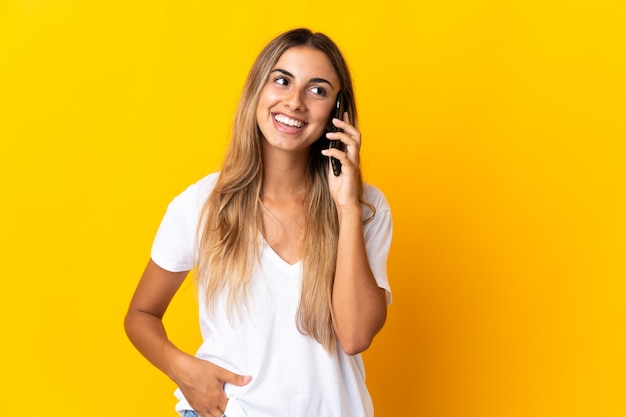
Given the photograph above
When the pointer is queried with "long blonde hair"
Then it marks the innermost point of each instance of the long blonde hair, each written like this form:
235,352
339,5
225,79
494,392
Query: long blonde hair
230,223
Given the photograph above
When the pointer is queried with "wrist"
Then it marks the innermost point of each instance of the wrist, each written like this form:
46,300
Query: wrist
176,362
353,211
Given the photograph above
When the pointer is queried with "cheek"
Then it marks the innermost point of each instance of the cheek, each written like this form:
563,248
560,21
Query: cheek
262,107
320,131
268,95
323,118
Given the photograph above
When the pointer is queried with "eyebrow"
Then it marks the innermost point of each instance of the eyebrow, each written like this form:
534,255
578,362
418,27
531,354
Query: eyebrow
312,80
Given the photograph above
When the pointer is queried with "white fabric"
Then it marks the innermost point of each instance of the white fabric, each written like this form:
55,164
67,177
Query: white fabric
292,374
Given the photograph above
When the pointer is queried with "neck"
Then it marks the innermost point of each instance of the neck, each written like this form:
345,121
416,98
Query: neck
284,176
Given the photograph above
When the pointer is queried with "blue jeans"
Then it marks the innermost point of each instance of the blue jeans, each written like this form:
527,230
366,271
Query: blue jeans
189,413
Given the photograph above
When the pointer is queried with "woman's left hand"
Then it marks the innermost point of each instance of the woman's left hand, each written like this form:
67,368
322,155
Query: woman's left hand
344,188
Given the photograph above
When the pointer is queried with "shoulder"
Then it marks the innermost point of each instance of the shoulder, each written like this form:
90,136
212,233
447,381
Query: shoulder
188,204
202,187
174,245
197,193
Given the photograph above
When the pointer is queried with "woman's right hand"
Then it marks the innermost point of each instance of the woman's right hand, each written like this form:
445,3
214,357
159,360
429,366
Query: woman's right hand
202,384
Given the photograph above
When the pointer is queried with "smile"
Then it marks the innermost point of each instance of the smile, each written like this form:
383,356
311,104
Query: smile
287,121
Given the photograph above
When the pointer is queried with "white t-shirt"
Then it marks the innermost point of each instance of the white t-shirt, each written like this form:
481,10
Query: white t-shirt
292,374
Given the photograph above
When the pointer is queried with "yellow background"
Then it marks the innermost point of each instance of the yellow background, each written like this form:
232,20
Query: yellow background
496,129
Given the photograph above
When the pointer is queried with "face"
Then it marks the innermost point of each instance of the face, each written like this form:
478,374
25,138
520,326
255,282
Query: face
297,98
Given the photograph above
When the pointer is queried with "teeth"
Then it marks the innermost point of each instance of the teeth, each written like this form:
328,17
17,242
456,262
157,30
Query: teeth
280,118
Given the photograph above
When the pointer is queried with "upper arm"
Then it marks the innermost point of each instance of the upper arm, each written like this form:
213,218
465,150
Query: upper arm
156,289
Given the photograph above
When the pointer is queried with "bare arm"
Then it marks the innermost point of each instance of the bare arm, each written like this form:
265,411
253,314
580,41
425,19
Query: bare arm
143,323
200,381
359,304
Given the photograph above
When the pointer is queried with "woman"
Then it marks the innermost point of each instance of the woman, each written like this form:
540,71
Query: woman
291,259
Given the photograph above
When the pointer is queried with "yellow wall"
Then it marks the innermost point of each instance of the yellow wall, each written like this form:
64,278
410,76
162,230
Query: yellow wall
496,129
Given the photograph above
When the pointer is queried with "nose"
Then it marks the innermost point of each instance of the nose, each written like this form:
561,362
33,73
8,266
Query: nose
294,100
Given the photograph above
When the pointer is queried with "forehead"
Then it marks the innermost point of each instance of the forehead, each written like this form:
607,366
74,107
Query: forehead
306,62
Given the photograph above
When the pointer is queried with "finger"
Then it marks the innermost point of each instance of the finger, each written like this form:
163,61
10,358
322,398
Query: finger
345,137
343,124
347,128
217,411
346,117
350,149
234,379
342,156
348,137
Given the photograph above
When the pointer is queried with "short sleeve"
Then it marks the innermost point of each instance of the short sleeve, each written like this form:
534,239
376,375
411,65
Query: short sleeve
378,232
174,246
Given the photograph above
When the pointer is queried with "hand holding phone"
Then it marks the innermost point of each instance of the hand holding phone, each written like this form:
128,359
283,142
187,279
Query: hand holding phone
337,113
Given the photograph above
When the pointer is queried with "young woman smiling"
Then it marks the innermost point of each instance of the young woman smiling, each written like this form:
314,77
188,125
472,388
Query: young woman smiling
291,259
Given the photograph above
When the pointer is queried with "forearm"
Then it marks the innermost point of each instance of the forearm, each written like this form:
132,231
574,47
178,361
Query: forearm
359,304
143,322
148,335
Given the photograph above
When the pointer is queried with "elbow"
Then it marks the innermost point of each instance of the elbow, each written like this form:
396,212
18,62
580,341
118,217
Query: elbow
358,340
132,323
354,346
128,324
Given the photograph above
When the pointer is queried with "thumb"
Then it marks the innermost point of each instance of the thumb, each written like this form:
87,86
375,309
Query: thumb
235,379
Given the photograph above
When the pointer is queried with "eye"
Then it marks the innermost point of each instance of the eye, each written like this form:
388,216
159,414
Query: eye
281,80
318,90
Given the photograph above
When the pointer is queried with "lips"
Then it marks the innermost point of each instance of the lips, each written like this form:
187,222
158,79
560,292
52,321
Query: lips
286,121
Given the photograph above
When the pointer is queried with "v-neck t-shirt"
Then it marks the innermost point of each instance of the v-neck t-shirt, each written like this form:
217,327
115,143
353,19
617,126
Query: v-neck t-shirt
292,374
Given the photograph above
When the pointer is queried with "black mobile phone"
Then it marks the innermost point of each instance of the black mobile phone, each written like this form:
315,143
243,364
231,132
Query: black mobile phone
338,114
